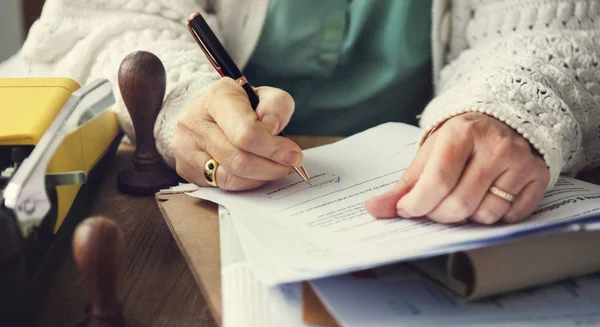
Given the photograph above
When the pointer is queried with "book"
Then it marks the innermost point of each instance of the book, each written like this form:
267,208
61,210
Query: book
534,261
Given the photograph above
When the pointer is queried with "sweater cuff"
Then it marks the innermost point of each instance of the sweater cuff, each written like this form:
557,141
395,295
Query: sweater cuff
175,104
446,106
177,100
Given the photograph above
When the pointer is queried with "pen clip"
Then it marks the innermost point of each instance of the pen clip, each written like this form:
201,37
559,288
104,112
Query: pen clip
204,48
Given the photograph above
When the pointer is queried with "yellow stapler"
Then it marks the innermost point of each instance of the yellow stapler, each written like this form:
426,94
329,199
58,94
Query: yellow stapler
54,135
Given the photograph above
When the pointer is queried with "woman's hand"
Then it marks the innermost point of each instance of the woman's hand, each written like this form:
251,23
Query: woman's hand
449,179
221,125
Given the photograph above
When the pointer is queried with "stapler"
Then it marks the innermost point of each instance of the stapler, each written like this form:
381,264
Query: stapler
54,137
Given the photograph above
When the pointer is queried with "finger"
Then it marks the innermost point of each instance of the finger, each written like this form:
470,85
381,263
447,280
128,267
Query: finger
191,161
274,109
526,202
238,162
440,174
472,187
492,208
191,172
236,118
384,205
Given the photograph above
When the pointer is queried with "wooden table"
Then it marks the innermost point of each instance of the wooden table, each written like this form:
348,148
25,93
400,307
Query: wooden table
156,286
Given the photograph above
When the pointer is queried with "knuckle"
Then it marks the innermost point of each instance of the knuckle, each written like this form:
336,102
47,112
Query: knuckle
199,140
503,148
458,131
545,177
176,144
485,216
447,218
238,162
484,171
520,212
458,208
543,172
465,127
526,165
182,172
204,101
227,182
513,217
443,183
522,144
244,138
183,123
284,101
225,83
407,179
413,211
275,152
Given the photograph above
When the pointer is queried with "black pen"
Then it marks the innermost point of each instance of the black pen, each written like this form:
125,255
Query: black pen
224,65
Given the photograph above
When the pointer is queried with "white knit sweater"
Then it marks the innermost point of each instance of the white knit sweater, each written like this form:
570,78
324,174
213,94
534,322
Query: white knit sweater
531,63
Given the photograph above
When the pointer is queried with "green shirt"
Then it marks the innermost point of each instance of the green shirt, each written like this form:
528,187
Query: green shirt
349,64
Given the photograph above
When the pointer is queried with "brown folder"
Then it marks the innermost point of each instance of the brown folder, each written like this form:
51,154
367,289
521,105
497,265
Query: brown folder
194,224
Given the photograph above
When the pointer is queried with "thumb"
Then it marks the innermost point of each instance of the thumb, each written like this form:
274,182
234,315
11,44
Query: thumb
274,109
384,205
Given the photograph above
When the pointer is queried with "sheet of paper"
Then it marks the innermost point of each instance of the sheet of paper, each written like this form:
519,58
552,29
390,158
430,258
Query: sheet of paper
398,300
247,301
322,229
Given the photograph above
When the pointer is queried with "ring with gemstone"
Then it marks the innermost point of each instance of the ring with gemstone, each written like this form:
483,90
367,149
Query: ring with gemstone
210,172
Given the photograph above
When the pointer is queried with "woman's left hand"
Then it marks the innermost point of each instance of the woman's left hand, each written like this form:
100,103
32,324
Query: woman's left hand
449,179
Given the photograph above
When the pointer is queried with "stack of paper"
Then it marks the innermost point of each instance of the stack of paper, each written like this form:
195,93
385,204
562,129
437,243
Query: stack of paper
246,301
291,231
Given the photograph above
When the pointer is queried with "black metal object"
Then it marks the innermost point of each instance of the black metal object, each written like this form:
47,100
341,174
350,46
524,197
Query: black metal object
28,265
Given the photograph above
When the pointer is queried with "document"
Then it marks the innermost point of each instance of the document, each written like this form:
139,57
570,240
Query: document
246,301
300,231
399,298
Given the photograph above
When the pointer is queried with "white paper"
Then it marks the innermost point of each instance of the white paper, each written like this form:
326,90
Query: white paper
319,230
405,299
246,301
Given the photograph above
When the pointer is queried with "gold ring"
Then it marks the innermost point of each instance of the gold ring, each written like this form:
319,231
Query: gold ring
210,172
502,194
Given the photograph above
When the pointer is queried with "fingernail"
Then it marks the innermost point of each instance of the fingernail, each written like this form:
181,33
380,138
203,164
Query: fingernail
403,213
292,158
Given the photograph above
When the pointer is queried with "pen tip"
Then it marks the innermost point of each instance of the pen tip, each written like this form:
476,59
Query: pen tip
303,173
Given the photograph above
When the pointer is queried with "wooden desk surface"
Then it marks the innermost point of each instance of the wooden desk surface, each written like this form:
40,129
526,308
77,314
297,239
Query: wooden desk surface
156,286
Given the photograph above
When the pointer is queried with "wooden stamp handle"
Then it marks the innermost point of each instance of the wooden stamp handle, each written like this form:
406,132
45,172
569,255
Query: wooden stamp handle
142,82
98,246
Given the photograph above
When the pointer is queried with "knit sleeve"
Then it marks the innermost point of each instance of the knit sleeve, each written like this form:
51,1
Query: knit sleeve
533,67
88,39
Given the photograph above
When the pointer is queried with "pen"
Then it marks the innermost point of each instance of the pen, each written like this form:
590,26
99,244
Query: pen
224,65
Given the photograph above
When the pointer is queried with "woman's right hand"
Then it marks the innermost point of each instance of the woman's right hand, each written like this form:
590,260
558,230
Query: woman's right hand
221,125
